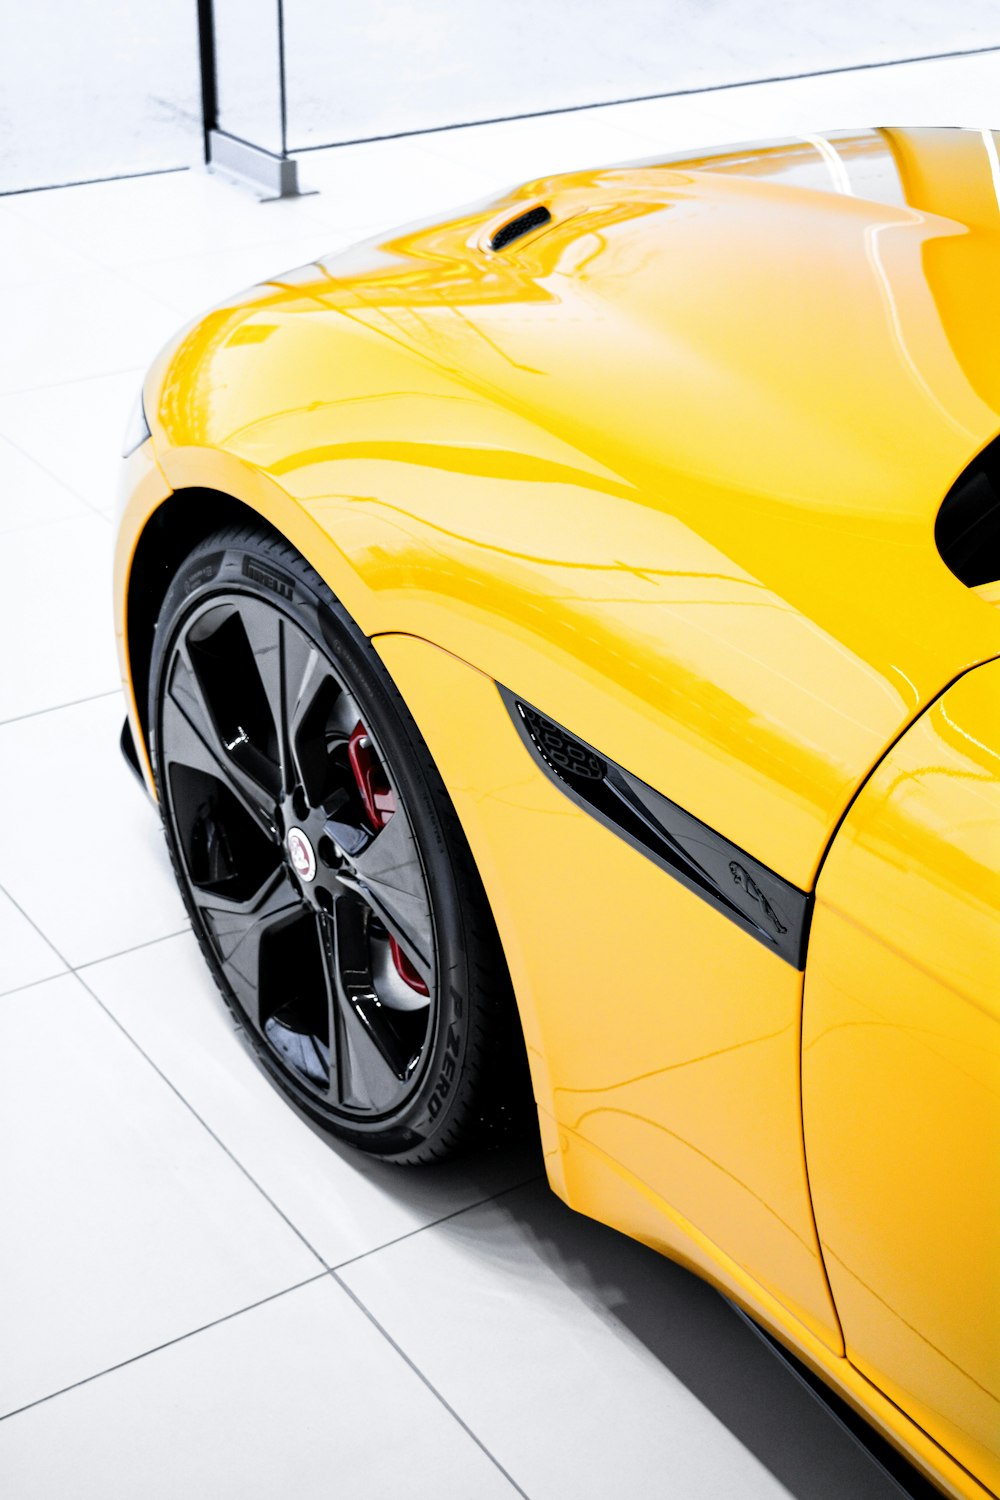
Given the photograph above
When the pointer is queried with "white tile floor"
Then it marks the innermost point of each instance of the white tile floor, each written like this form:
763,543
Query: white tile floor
198,1296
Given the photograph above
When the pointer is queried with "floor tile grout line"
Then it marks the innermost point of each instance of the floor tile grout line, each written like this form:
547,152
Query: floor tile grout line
166,937
33,984
202,1122
37,713
106,958
39,522
126,269
328,1270
19,448
693,92
332,1268
93,963
89,963
186,313
167,1344
58,187
55,385
31,922
56,479
88,254
455,1213
329,1273
425,1380
170,1085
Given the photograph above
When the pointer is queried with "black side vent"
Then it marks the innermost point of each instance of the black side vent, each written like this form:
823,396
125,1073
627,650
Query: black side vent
514,228
967,531
764,905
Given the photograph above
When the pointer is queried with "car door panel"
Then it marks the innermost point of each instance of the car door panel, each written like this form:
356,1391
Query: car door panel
901,1072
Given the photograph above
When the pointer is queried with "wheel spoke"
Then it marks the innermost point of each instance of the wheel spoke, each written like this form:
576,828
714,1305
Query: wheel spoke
302,677
388,876
190,738
338,1080
291,672
262,628
239,930
373,1056
298,855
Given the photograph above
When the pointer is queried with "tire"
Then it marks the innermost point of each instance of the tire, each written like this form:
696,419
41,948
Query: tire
322,864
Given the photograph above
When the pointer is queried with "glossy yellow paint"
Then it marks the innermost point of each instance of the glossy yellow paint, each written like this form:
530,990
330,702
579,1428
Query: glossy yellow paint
142,490
641,1006
663,1043
594,1185
669,469
637,466
901,1073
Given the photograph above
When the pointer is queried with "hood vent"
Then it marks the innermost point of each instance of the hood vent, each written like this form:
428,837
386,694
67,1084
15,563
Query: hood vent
515,228
967,531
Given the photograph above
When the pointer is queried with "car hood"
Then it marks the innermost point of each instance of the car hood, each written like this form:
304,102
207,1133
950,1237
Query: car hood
760,288
789,347
685,442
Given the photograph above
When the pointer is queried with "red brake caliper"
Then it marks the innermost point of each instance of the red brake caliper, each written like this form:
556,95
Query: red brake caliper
379,803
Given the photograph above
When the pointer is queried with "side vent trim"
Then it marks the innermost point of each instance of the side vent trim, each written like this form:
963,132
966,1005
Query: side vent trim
515,228
763,904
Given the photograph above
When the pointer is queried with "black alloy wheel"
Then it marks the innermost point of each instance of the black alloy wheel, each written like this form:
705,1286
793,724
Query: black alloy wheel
321,862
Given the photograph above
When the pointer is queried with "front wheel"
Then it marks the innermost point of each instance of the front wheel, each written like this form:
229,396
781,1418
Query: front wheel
321,861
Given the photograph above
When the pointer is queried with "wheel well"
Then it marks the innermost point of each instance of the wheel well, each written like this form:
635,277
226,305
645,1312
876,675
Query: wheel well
170,534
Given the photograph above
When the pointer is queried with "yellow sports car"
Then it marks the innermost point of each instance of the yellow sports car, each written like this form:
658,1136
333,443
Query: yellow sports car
563,642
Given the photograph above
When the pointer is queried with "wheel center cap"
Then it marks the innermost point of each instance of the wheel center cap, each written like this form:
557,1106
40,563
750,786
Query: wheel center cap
301,854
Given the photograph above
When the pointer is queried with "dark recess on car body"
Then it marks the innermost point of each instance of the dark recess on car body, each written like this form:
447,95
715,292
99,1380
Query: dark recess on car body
769,908
967,531
523,224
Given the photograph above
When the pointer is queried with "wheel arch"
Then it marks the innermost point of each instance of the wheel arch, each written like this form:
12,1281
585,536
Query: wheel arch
196,493
170,534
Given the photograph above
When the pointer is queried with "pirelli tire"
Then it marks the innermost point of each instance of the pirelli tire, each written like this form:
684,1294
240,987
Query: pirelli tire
322,864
